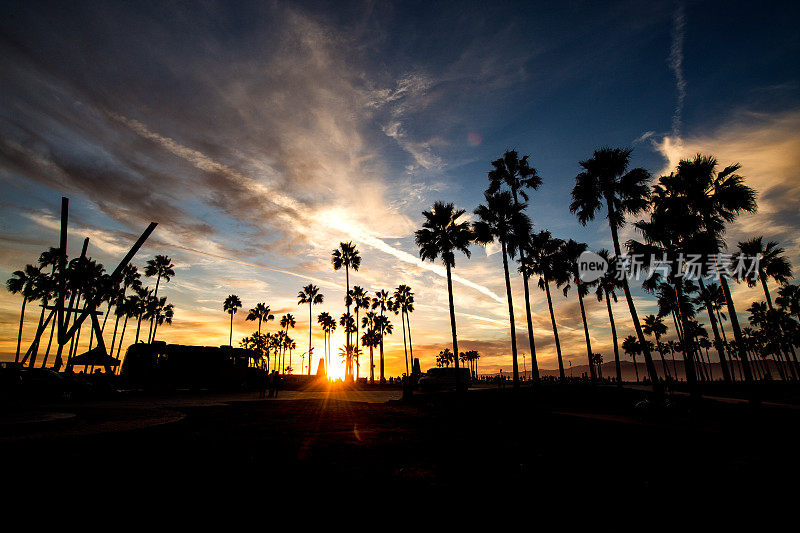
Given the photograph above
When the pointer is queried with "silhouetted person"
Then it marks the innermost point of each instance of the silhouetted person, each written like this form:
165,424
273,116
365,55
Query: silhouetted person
276,383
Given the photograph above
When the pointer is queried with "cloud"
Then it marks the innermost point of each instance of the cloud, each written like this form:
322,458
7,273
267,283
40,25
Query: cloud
675,61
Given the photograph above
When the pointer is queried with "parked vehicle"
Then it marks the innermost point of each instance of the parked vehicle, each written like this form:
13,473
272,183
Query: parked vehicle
443,378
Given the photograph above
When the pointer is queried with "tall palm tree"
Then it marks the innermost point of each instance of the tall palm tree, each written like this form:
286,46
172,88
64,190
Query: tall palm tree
371,339
606,179
441,235
131,279
368,323
607,287
764,261
571,251
360,300
517,174
127,309
384,302
261,313
404,305
631,346
328,325
287,321
164,315
712,298
654,326
503,220
310,295
717,198
231,305
347,256
543,258
23,282
349,325
160,266
383,327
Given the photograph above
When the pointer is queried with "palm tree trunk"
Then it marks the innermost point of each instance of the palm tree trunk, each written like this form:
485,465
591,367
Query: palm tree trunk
371,366
651,367
310,323
39,330
230,338
555,330
405,350
410,346
21,321
717,341
737,331
534,362
688,348
114,336
592,372
122,336
635,367
138,328
614,338
49,343
452,324
661,353
155,297
514,364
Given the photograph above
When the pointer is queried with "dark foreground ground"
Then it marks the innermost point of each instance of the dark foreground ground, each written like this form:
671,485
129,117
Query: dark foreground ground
561,442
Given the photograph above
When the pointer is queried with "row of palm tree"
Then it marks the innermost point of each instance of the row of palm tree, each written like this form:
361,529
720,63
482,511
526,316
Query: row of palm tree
85,280
688,214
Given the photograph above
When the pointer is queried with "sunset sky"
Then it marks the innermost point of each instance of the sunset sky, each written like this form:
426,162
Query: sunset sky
260,135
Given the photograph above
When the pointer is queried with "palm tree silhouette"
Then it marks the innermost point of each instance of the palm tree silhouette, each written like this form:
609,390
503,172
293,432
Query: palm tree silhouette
789,299
606,179
328,325
607,286
632,347
503,220
161,267
231,305
347,256
164,315
360,300
518,175
262,313
370,335
654,326
310,295
349,325
127,308
717,199
441,236
131,279
23,282
403,305
287,321
545,260
712,298
770,263
383,302
383,327
571,251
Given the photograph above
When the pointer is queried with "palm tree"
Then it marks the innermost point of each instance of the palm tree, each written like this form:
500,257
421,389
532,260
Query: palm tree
383,302
764,261
571,251
446,357
789,299
231,305
164,315
605,180
161,267
360,300
442,235
348,323
328,325
131,279
371,339
544,259
717,199
262,313
368,323
607,287
126,308
23,282
347,256
518,175
384,327
654,326
712,298
310,295
404,305
632,347
287,321
503,220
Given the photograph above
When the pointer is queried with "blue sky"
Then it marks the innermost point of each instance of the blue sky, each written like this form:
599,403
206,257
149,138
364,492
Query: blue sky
264,133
